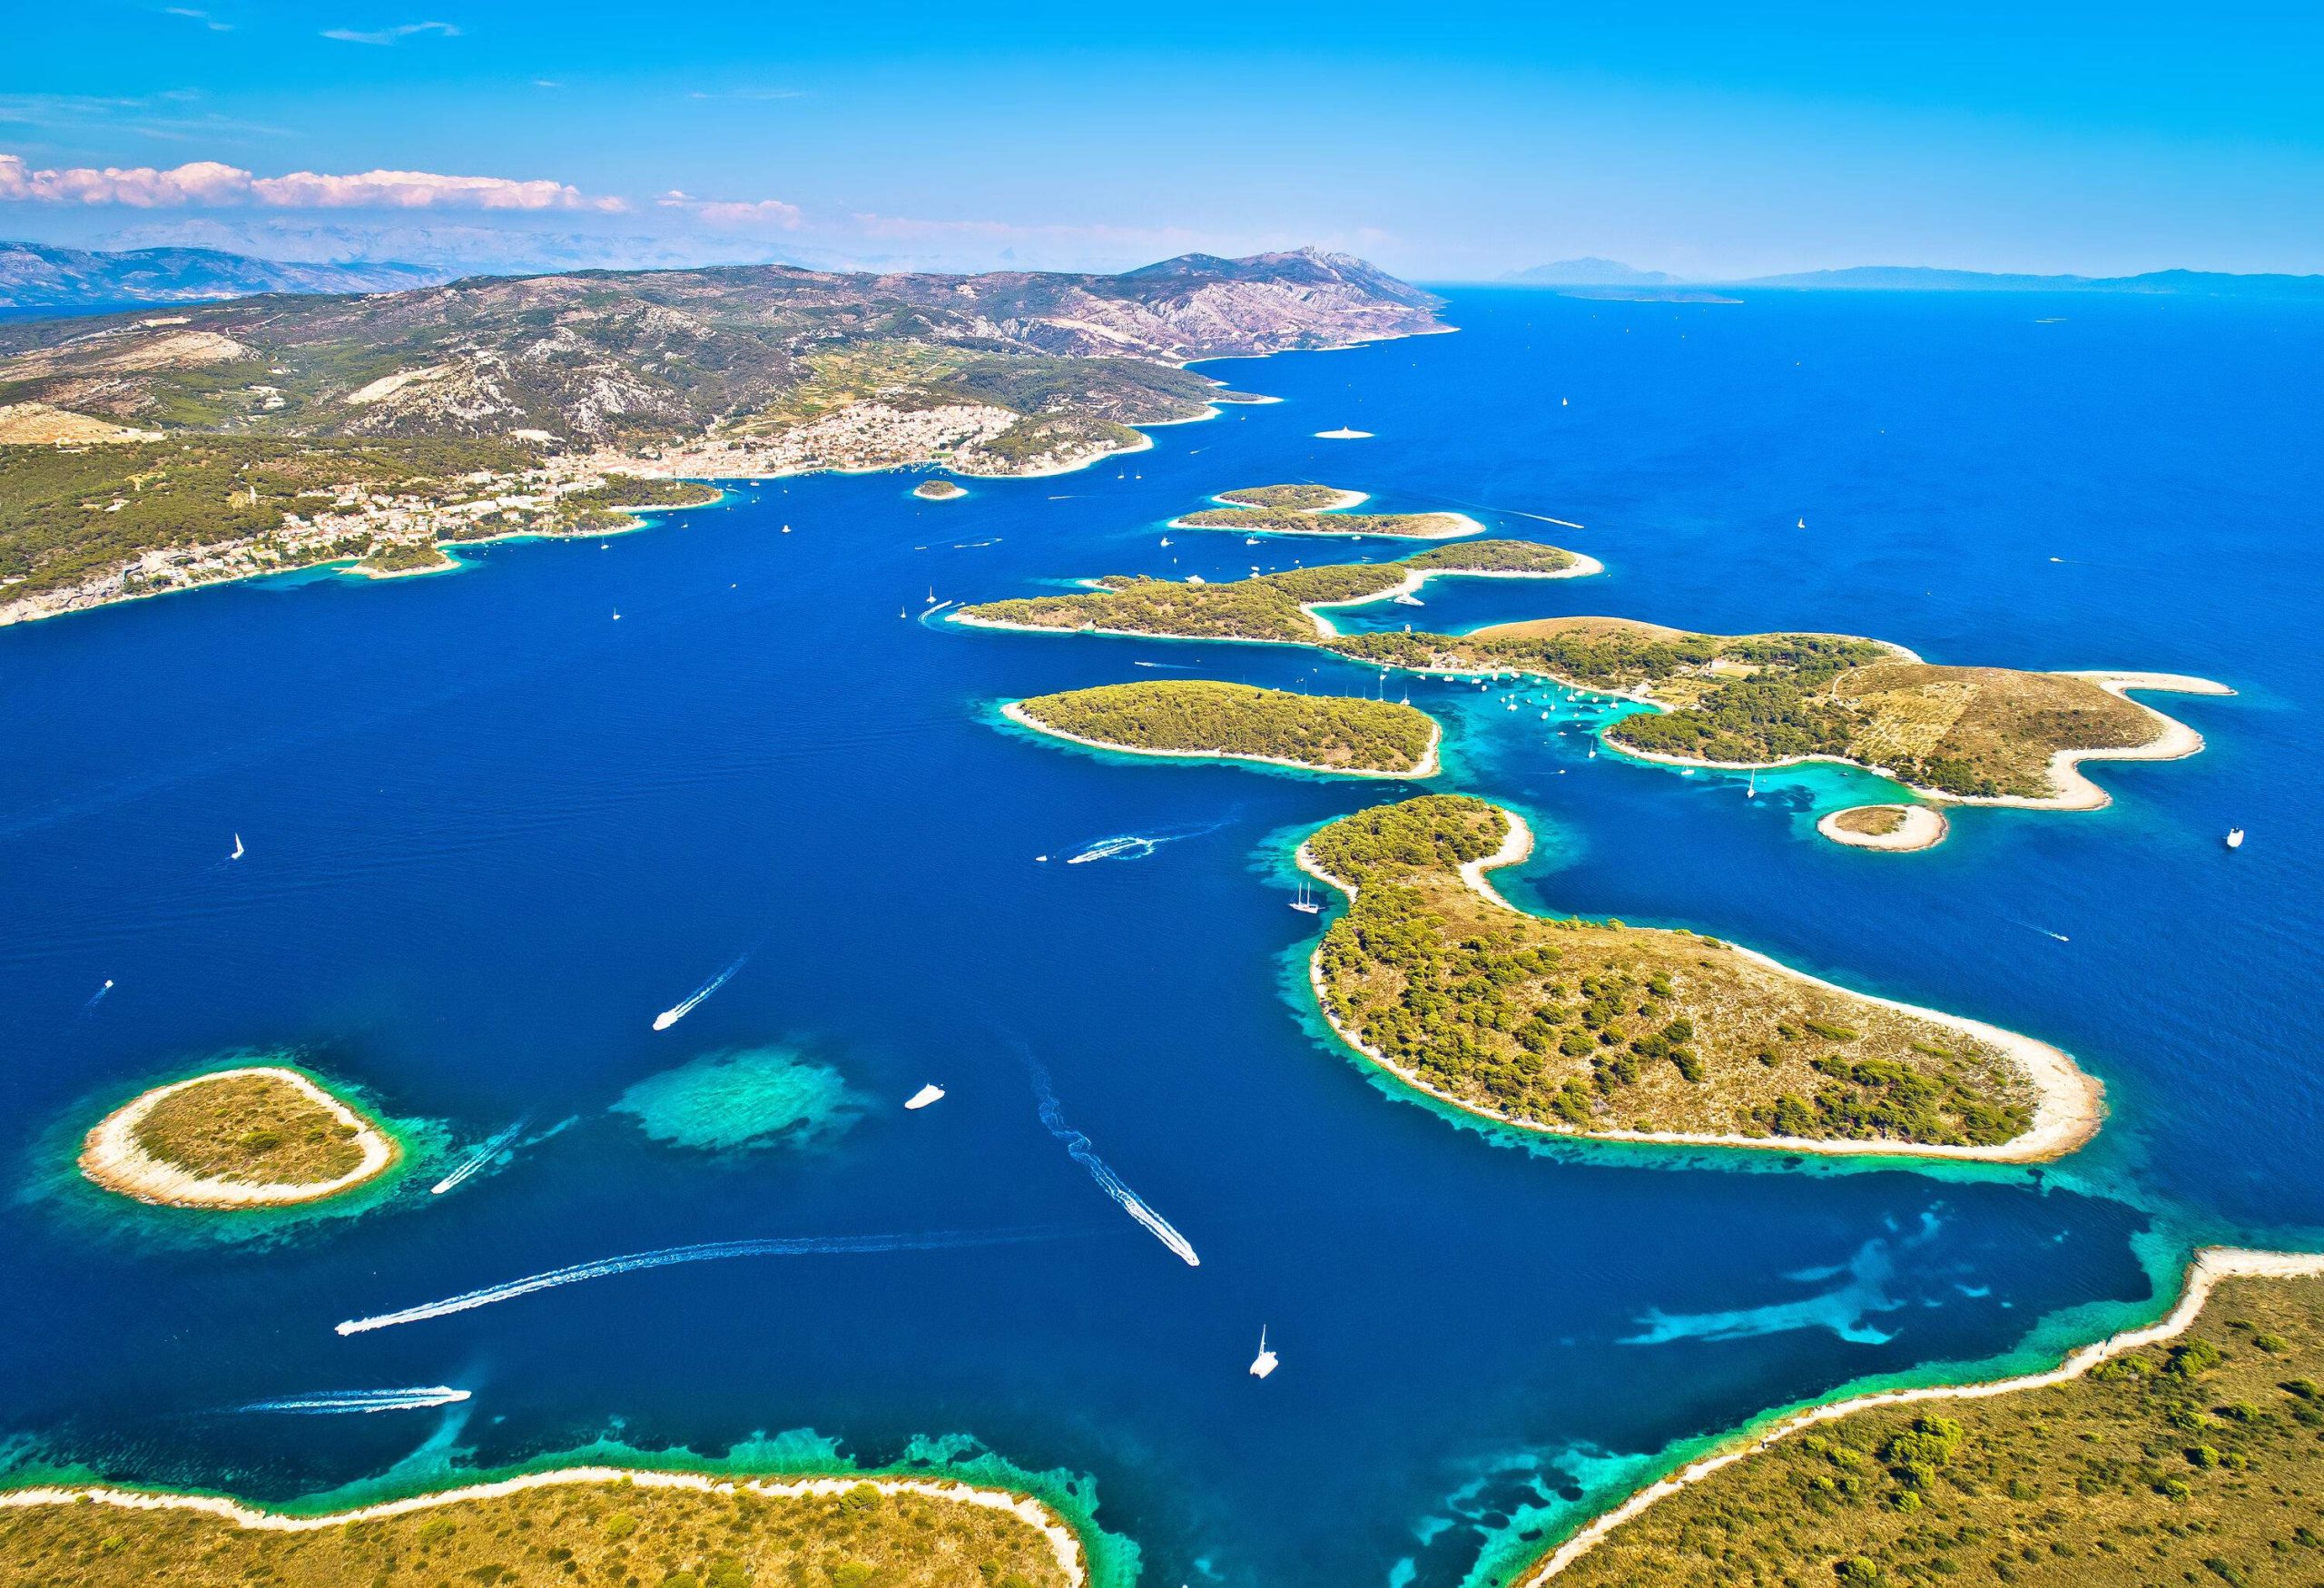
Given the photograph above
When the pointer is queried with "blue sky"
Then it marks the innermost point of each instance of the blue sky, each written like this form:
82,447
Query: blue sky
1447,143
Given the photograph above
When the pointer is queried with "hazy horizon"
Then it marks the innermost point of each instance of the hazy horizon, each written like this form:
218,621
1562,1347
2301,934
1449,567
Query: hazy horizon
2054,140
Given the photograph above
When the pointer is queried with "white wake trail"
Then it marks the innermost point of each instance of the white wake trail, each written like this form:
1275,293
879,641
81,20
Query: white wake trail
669,1256
678,1011
338,1401
475,1160
1112,1184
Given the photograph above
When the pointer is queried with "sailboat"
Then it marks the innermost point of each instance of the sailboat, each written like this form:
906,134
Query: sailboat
1307,903
1803,521
238,845
1265,1362
1165,540
932,595
926,1095
2234,839
1751,792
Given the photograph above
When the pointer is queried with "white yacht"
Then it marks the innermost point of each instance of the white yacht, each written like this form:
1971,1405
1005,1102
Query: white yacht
2234,839
924,1096
1265,1362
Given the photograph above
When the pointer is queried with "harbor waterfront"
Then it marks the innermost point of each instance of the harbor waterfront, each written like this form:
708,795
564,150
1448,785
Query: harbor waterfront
491,834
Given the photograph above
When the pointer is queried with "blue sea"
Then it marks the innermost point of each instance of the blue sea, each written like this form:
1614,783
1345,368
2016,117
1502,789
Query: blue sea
493,830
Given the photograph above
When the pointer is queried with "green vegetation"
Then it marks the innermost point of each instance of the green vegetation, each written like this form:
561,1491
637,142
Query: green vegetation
1746,699
1589,1027
937,491
398,556
640,490
2201,1461
67,513
549,1537
1268,606
252,1128
1317,509
1873,821
1199,718
1304,499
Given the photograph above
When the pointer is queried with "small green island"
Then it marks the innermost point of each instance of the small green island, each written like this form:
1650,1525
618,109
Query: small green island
1320,509
2190,1451
551,1530
1198,719
1279,608
938,490
1993,736
1603,1029
255,1136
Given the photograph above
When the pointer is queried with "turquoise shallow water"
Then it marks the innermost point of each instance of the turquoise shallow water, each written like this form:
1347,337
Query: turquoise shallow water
494,832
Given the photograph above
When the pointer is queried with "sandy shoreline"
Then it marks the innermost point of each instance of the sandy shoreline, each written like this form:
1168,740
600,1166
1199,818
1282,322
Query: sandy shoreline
1925,828
1411,582
1427,765
2174,741
2070,1101
1065,1544
112,1156
1458,526
2210,1265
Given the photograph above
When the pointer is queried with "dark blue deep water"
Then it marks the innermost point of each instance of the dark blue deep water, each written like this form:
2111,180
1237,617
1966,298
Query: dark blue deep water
492,831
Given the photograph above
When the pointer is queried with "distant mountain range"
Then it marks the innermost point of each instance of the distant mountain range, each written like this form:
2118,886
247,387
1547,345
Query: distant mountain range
632,358
1606,272
35,276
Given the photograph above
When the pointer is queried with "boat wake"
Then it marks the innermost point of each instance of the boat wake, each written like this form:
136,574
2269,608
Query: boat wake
1112,1184
97,996
328,1402
805,1246
478,1159
1138,846
678,1011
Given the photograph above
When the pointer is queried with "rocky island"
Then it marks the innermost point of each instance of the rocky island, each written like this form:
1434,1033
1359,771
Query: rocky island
938,490
1202,720
142,452
582,1525
2189,1451
1282,608
256,1136
1320,509
1989,735
1601,1030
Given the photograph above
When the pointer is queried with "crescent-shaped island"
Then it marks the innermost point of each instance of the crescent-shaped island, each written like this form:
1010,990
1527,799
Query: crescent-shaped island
1319,510
1616,1033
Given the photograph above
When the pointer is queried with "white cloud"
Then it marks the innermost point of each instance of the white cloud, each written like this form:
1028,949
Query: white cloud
733,213
207,182
204,18
391,35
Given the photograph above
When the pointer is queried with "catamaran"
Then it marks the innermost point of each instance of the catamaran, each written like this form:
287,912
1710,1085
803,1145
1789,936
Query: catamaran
1307,903
1265,1362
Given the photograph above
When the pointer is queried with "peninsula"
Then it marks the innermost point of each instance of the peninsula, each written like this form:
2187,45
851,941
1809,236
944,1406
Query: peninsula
2189,1451
1282,608
342,427
1199,719
582,1525
257,1136
1320,509
1628,1033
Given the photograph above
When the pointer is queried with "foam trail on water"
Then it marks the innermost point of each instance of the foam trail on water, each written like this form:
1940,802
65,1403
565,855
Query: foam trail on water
678,1011
1138,846
806,1246
1107,1181
478,1159
339,1402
